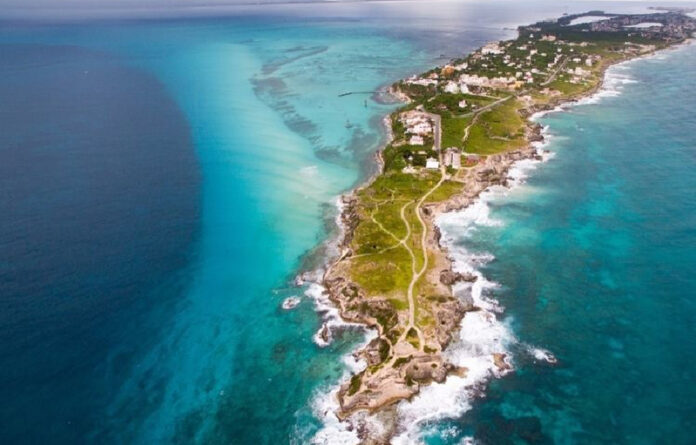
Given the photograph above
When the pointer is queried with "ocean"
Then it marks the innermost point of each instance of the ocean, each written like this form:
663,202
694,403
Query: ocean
164,182
591,256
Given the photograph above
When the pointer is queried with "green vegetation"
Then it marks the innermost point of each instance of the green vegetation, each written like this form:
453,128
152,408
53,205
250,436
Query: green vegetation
402,360
355,383
453,130
399,304
396,157
382,265
504,120
387,246
417,91
447,105
383,273
383,350
498,129
384,277
387,240
446,190
412,337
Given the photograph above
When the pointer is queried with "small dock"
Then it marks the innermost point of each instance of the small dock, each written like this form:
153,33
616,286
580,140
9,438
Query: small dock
359,92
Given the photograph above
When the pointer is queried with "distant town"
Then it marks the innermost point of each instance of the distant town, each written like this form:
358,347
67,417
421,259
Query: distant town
555,59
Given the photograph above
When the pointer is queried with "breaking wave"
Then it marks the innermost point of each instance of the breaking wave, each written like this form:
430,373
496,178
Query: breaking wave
485,339
483,346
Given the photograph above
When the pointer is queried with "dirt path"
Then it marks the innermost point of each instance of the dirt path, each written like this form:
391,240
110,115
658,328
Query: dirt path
417,274
484,108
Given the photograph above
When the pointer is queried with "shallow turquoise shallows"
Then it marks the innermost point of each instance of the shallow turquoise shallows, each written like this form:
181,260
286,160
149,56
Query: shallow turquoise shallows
201,349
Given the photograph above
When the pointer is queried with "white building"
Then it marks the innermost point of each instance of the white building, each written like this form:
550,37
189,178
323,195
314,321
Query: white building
421,129
452,88
491,48
452,158
416,140
432,164
422,82
462,103
417,123
496,82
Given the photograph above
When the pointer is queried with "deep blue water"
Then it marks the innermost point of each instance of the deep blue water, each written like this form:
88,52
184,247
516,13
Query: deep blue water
163,181
101,208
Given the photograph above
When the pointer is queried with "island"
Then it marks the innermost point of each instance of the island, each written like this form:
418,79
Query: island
461,128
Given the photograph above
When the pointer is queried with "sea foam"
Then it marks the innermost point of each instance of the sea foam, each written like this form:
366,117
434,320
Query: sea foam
325,402
483,334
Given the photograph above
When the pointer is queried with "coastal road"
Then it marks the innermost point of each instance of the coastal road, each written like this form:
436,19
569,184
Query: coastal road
437,131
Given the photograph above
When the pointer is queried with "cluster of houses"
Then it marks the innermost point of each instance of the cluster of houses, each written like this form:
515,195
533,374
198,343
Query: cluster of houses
418,125
666,26
527,68
510,66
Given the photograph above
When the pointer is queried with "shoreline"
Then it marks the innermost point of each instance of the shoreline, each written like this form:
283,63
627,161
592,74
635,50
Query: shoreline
362,421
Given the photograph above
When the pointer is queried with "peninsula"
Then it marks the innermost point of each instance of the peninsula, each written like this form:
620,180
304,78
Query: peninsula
462,127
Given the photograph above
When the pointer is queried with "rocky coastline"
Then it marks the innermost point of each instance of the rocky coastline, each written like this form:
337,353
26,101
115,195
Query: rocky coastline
363,409
360,412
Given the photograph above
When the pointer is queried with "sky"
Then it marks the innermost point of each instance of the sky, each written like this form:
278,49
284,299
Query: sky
28,9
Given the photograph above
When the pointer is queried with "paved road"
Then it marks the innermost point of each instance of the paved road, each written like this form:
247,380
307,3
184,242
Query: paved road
437,131
552,77
485,108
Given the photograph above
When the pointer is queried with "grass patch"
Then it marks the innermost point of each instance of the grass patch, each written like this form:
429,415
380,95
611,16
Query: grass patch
372,238
412,337
453,130
497,130
401,360
383,273
355,383
389,215
446,190
399,304
504,120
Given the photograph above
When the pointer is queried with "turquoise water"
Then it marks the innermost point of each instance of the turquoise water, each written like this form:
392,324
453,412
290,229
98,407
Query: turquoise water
275,151
595,256
205,352
201,350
